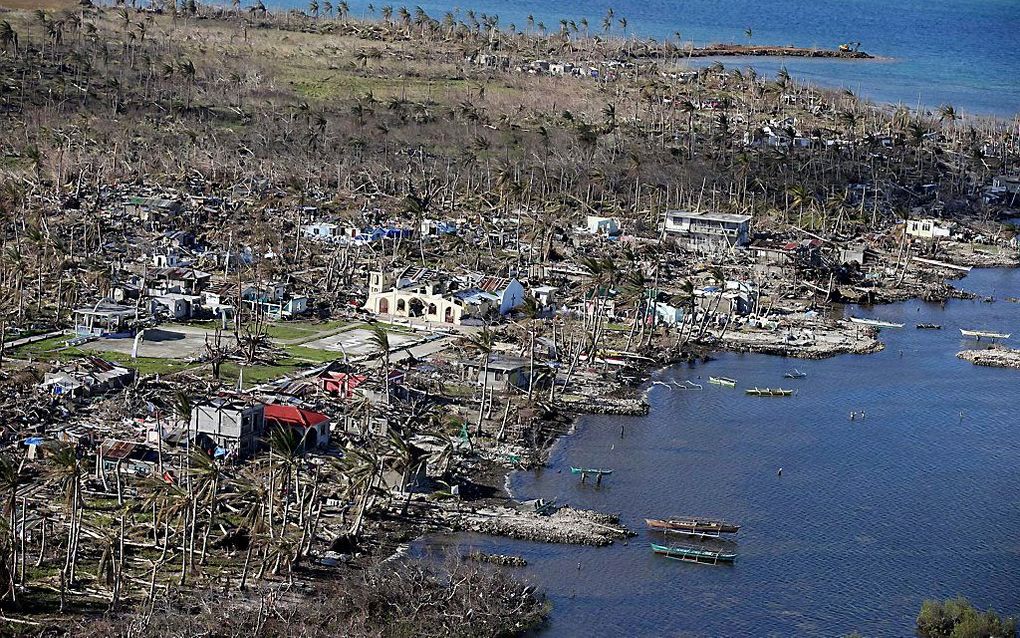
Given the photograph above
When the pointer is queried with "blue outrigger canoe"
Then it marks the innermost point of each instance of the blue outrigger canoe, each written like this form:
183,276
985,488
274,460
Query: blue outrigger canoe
694,555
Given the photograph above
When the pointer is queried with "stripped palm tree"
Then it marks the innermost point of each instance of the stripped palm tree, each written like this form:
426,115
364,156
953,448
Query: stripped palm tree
209,476
380,339
10,482
482,343
252,497
65,470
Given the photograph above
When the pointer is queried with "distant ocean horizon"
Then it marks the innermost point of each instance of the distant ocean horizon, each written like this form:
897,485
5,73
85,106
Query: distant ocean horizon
961,53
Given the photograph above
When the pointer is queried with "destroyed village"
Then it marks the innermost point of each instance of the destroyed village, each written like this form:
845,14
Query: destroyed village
285,291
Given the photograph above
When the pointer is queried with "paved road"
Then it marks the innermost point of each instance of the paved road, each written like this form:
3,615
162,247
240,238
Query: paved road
16,343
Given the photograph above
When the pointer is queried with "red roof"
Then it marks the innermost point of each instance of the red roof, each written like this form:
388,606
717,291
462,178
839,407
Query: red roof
289,415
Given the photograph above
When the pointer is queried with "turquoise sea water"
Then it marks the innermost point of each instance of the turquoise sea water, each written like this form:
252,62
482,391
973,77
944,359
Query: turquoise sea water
919,499
963,53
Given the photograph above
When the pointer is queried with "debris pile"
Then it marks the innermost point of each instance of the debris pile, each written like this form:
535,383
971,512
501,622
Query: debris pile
565,525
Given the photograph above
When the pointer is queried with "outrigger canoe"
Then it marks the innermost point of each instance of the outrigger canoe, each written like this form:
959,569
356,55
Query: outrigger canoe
875,323
694,555
726,381
984,333
769,392
692,524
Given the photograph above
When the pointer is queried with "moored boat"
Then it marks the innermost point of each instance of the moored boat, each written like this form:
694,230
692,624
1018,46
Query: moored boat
875,323
693,524
984,334
694,555
769,392
929,326
590,470
795,374
726,381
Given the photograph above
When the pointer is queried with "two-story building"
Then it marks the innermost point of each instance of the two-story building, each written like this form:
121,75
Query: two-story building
708,232
232,426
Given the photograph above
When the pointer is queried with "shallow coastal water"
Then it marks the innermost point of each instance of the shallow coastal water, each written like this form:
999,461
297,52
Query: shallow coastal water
962,53
920,498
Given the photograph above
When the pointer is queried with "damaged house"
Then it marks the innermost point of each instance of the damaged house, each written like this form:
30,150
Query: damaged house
105,318
87,376
275,300
708,232
311,428
228,428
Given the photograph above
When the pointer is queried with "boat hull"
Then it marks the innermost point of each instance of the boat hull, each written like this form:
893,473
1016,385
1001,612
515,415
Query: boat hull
692,525
693,554
875,323
985,335
769,392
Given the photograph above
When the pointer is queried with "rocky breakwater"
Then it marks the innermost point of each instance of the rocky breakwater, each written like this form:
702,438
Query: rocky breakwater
563,525
994,357
816,340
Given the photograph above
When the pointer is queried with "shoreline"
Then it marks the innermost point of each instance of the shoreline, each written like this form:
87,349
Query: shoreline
637,389
730,49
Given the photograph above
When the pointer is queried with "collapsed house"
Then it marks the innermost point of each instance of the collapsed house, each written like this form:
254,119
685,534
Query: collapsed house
87,376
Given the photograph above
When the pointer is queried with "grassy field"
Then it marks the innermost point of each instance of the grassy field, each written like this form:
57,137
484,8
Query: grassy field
301,331
53,350
312,354
254,375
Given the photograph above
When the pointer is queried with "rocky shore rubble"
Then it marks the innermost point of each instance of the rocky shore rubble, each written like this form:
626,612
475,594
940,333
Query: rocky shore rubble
606,405
815,342
505,560
994,357
564,525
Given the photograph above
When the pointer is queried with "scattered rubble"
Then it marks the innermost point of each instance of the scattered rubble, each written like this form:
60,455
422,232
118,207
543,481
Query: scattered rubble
813,340
498,559
564,525
994,357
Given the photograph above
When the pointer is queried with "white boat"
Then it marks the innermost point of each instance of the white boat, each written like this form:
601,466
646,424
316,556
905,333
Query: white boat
795,374
984,333
875,322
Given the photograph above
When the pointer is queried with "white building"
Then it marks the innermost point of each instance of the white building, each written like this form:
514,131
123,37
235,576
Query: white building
708,232
602,225
928,228
436,296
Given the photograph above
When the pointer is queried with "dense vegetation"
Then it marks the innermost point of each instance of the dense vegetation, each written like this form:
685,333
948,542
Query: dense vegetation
957,618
